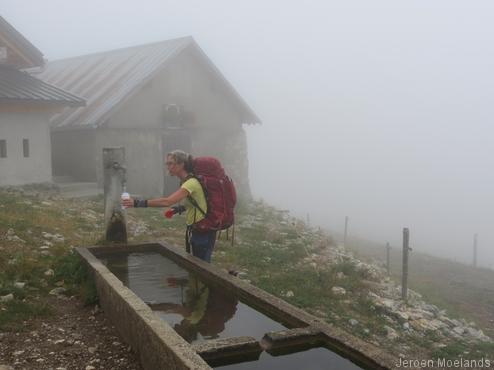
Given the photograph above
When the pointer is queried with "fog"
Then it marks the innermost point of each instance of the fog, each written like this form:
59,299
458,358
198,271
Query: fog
380,111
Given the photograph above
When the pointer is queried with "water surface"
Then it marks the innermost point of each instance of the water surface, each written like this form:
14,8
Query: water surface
312,359
195,310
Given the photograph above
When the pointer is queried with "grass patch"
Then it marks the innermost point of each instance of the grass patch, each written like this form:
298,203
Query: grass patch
14,312
77,277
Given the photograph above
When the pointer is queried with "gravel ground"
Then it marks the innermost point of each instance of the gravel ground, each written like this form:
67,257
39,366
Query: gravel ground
75,337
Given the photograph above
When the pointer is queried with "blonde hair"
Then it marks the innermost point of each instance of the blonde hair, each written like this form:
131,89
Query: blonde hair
179,156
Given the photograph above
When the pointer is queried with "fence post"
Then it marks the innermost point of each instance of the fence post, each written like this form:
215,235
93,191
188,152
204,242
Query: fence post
404,277
345,234
475,250
388,252
114,182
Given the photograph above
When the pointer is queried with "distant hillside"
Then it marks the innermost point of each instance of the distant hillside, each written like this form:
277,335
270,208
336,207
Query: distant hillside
463,290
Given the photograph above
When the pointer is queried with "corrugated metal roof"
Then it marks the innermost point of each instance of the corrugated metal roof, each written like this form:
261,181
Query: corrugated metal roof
18,86
108,79
29,50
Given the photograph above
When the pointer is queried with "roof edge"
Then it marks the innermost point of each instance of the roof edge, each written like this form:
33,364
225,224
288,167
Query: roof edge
31,51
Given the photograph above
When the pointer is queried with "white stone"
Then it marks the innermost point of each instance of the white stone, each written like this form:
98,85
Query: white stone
7,298
289,294
353,322
49,272
19,285
402,316
337,290
57,291
391,333
459,330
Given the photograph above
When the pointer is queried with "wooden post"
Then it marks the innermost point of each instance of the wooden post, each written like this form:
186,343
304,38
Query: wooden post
388,252
404,277
345,234
475,250
114,184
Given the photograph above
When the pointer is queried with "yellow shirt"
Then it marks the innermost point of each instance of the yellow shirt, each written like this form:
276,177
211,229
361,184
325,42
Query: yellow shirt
194,189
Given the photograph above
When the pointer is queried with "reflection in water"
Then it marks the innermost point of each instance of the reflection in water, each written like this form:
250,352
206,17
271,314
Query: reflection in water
312,359
196,311
205,311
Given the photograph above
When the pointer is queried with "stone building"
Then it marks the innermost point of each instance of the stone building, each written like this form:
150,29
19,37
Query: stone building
149,99
26,105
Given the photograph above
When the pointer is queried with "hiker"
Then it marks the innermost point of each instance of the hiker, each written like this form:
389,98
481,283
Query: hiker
179,164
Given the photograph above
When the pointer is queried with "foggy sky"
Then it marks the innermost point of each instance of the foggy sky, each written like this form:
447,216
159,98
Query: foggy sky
376,110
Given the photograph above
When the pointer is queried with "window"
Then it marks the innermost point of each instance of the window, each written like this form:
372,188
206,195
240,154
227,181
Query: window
25,147
3,148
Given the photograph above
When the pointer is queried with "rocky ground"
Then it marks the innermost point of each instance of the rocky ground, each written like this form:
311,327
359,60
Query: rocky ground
272,250
74,337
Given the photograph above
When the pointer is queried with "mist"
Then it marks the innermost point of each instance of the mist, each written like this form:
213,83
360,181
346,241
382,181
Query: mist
378,111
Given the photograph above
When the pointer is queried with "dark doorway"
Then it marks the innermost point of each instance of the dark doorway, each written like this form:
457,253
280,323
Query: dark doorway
173,139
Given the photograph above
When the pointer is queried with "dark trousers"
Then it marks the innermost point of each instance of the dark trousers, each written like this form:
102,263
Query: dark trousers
202,244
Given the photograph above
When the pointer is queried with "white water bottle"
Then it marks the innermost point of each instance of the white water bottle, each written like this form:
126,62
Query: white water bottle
124,196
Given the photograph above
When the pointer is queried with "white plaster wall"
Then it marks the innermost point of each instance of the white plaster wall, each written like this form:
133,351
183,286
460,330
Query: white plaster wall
15,169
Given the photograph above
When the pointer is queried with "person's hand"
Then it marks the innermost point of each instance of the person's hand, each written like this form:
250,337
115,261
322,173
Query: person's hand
176,209
128,203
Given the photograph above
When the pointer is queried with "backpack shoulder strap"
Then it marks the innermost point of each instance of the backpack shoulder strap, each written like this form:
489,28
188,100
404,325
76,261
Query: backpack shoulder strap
194,203
192,200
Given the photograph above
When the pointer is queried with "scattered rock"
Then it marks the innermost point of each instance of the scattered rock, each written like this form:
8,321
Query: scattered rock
19,285
49,272
57,291
7,298
337,290
391,334
340,275
459,330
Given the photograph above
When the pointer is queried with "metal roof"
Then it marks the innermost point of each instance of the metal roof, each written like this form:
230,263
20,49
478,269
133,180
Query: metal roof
106,80
28,50
18,86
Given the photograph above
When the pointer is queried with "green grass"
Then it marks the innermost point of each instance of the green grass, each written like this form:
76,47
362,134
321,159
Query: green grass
77,277
14,312
272,249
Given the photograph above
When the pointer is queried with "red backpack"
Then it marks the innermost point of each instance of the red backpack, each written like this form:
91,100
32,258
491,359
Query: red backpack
220,193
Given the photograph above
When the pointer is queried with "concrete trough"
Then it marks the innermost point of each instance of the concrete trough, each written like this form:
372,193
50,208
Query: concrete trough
160,347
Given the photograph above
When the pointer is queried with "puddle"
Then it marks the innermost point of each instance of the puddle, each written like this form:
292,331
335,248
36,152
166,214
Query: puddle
312,359
196,311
